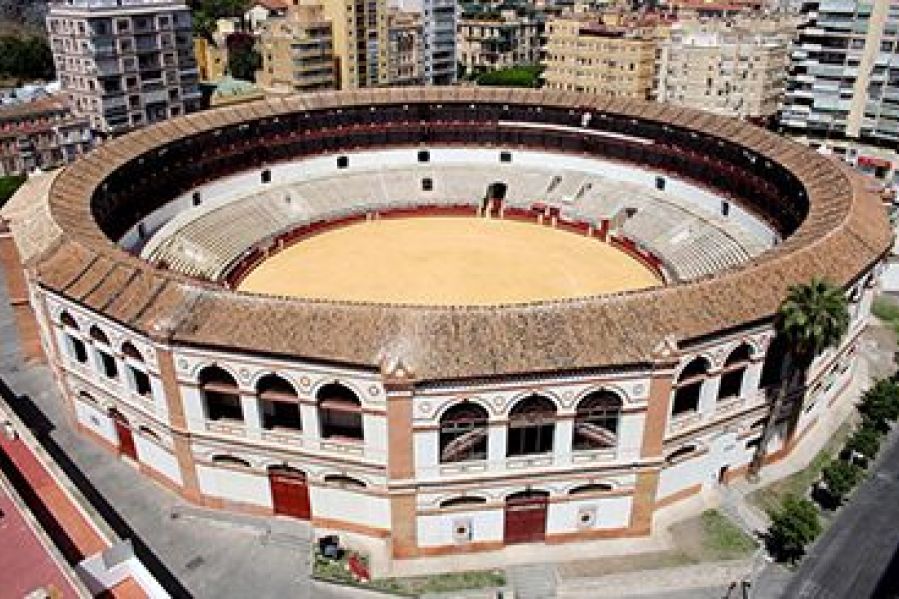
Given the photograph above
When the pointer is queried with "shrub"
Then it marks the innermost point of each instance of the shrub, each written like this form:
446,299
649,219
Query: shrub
840,477
794,524
880,404
865,441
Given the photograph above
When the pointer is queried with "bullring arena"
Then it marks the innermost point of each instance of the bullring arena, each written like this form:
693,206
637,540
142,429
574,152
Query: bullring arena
441,320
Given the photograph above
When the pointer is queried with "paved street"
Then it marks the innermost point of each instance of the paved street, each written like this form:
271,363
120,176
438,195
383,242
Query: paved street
852,557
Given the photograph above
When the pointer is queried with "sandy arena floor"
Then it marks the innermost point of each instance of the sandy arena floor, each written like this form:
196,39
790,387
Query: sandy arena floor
447,261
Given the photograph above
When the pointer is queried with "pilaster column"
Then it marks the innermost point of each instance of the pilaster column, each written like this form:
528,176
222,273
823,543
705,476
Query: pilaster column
190,486
752,376
399,384
708,396
252,414
497,435
309,418
562,441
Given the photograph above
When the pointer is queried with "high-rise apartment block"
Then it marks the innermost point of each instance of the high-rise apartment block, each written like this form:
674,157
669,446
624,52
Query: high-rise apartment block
360,40
726,66
406,53
844,76
124,63
297,51
601,54
439,29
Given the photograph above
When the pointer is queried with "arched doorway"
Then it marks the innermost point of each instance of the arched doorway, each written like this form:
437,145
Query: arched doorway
525,520
123,432
290,493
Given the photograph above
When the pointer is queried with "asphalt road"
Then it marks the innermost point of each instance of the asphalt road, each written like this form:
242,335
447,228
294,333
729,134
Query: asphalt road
857,556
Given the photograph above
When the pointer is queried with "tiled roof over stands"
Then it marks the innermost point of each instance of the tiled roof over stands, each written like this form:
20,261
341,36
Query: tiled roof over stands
839,231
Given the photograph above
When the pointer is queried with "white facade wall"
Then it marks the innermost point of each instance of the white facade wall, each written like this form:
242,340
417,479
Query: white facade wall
436,530
158,458
683,475
235,485
610,513
351,506
96,421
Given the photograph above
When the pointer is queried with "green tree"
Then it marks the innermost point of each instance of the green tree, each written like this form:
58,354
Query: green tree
794,525
25,58
840,477
811,318
243,59
880,404
865,441
8,186
207,12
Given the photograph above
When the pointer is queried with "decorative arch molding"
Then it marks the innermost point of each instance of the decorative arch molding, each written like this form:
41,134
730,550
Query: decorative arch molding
315,387
199,367
614,388
260,373
437,413
544,393
688,360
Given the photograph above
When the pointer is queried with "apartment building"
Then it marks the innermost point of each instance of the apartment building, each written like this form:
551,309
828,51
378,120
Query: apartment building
360,41
844,73
42,134
124,63
297,50
733,67
609,55
497,39
406,52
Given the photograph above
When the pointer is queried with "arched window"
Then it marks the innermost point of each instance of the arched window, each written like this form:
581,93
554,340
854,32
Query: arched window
346,482
532,425
138,379
279,403
463,433
75,347
105,359
688,388
680,453
463,500
591,488
230,460
772,370
221,397
596,421
340,412
734,371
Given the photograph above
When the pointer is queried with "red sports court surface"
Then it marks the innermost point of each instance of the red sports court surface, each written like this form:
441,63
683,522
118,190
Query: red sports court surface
25,564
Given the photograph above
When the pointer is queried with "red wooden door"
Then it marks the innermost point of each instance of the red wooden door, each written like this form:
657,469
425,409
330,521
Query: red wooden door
126,438
525,518
290,494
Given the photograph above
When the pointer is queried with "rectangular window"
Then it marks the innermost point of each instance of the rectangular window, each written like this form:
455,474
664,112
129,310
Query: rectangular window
108,365
141,382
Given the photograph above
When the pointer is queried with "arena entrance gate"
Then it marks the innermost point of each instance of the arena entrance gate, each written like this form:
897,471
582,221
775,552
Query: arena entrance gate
290,493
526,517
123,432
493,199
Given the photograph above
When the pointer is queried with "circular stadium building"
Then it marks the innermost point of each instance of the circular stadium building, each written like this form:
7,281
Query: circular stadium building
444,320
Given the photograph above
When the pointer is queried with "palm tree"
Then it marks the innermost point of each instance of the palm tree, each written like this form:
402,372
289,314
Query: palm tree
812,318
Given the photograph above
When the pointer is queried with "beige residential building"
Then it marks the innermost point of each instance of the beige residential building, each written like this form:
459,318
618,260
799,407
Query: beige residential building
499,40
297,50
360,41
729,67
608,55
124,64
406,53
41,134
212,59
